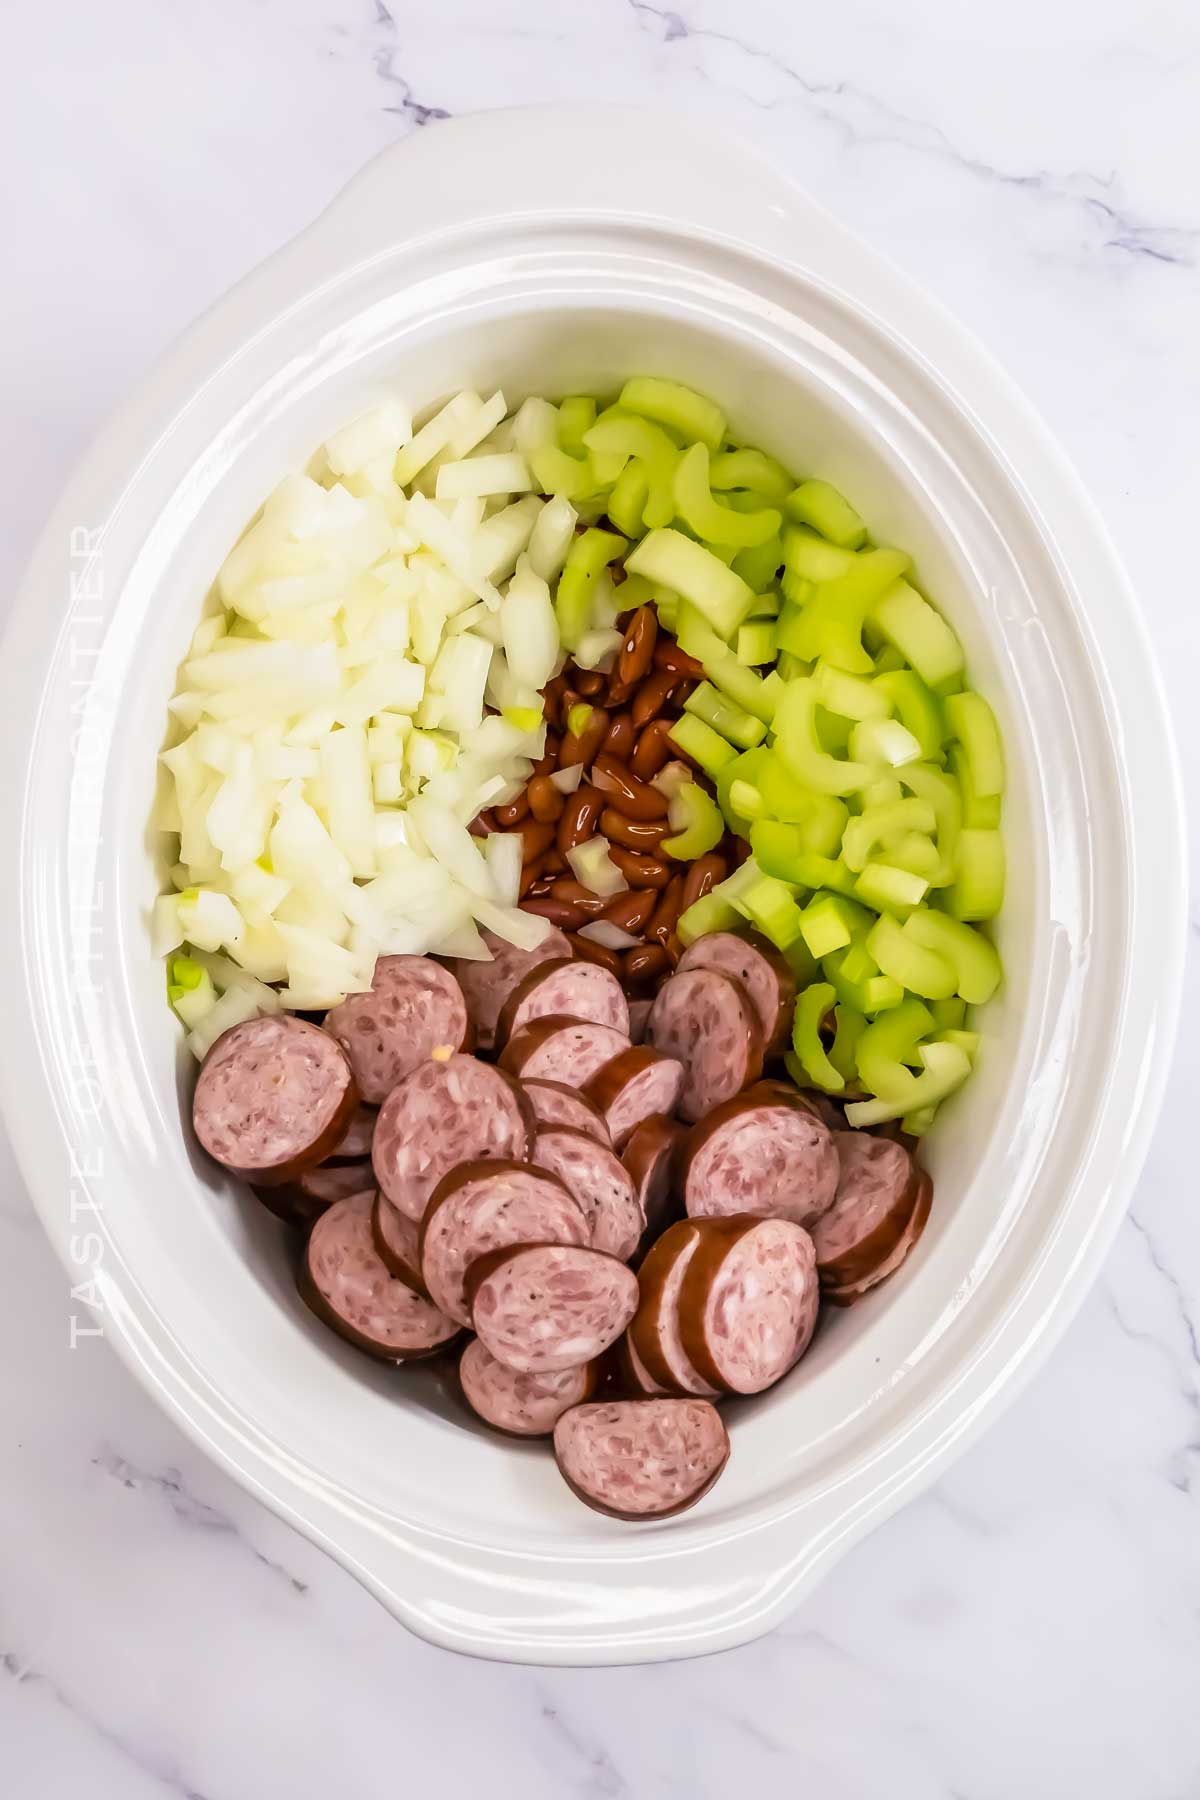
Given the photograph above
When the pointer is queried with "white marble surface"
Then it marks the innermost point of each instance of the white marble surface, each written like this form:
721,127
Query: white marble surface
1030,1627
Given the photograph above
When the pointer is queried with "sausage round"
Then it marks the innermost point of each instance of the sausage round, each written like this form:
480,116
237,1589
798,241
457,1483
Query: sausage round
764,1152
357,1141
600,1183
443,1114
708,1022
485,1206
318,1188
487,985
518,1404
641,1459
570,990
639,1018
762,971
655,1331
846,1296
748,1303
649,1157
631,1377
413,1008
634,1085
559,1049
555,1104
544,1308
347,1286
273,1098
397,1241
876,1193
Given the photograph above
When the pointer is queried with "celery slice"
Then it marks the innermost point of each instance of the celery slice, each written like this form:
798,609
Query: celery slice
796,742
971,720
711,522
756,642
946,1067
576,415
627,502
817,504
730,720
977,891
696,822
743,771
751,469
811,1007
920,968
690,570
809,558
588,555
890,890
966,952
679,408
702,744
712,912
917,707
907,620
743,686
771,905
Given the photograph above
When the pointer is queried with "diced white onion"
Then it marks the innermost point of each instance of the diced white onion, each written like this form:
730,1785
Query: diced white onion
594,869
568,779
608,935
479,476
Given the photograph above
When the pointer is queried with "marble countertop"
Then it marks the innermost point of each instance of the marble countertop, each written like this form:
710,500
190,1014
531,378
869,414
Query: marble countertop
1032,1625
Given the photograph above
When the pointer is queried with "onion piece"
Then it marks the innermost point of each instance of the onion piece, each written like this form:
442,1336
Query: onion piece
610,936
568,779
594,869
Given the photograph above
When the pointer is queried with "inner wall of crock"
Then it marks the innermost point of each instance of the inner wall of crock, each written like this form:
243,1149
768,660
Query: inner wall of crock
216,1265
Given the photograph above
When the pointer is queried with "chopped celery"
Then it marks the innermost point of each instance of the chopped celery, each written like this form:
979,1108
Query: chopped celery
828,924
884,824
557,473
690,570
971,720
743,686
576,415
744,770
884,741
746,801
751,469
587,556
917,1123
888,661
811,1007
858,982
702,744
696,822
830,623
817,504
966,1040
890,890
811,558
680,409
784,849
771,905
890,1042
756,642
883,791
796,742
949,1015
712,912
766,606
907,620
946,1067
843,1051
712,522
920,968
627,502
822,816
732,723
833,732
979,815
849,695
917,707
799,960
789,667
977,891
966,952
941,791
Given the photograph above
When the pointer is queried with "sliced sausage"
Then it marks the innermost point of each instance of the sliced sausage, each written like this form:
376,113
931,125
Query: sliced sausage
347,1286
273,1098
649,1157
876,1193
634,1085
484,1206
306,1198
639,1018
443,1114
630,1376
748,1303
357,1142
414,1009
520,1405
762,971
397,1239
641,1459
487,985
846,1296
764,1152
655,1332
599,1181
708,1022
543,1308
570,990
555,1104
558,1049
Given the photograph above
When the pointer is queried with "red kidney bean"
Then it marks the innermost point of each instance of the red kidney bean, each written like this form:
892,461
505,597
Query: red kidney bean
537,838
532,876
644,963
597,953
482,825
662,925
579,818
567,918
621,738
638,648
652,696
632,911
575,894
546,802
633,834
554,864
702,877
548,761
640,871
583,748
668,655
634,798
652,750
589,682
512,814
538,889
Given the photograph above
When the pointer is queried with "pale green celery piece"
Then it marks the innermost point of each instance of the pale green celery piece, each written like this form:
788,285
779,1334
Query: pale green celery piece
971,720
756,643
966,1040
739,883
920,633
978,815
694,573
697,823
705,747
916,1124
858,983
882,824
796,742
780,850
829,625
850,695
627,502
740,727
588,555
712,912
882,792
743,686
914,852
791,668
941,791
887,658
766,606
810,558
713,523
771,906
946,1067
817,504
885,742
921,969
890,890
751,469
966,952
916,706
576,415
811,1007
890,1042
949,1015
746,801
557,473
850,1025
743,771
977,891
833,732
824,926
694,417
